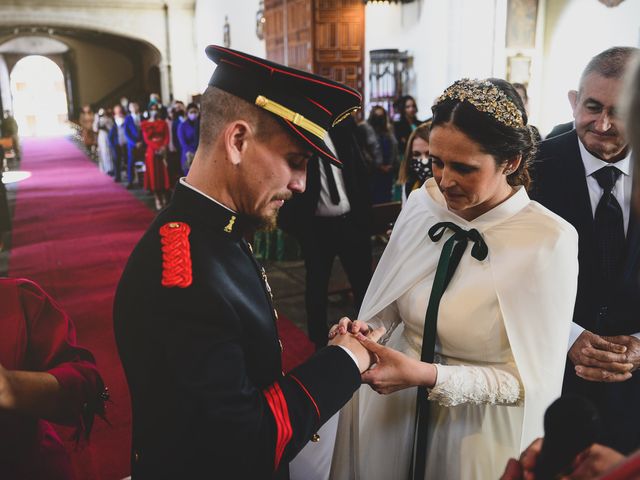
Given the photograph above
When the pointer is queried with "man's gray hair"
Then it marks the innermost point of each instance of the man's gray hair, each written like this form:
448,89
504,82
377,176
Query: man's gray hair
612,63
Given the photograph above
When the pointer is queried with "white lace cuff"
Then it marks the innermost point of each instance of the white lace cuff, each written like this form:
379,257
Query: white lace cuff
457,384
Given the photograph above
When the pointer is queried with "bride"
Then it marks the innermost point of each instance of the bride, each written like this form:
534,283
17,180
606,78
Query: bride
476,289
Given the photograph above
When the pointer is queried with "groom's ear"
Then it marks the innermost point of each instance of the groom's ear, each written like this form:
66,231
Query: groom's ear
236,137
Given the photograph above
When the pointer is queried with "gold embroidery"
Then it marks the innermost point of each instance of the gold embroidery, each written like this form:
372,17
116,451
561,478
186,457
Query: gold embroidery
229,226
293,117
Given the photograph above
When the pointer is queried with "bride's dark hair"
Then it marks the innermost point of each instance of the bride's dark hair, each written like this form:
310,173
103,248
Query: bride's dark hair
494,137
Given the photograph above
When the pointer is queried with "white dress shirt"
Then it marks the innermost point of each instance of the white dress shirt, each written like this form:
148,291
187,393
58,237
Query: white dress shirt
326,207
621,191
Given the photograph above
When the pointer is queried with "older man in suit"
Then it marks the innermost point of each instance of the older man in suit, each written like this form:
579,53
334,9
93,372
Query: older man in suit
585,177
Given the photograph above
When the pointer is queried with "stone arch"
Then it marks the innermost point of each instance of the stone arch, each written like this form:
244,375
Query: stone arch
40,99
164,27
98,67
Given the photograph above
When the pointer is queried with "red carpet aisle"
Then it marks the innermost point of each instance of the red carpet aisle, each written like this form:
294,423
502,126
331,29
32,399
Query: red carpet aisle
73,231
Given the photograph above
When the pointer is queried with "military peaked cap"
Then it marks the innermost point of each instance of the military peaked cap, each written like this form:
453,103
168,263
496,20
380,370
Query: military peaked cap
307,104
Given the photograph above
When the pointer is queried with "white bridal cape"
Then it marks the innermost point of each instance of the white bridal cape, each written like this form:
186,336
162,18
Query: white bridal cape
503,330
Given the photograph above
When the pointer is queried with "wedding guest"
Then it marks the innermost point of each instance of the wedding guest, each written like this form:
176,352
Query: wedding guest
415,167
584,176
407,122
102,124
45,377
383,172
86,128
134,139
155,132
118,142
188,133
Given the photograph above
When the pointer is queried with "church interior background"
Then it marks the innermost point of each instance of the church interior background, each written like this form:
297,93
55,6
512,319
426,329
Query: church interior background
58,55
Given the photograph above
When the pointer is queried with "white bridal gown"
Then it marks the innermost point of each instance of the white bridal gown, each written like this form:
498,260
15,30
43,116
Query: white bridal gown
503,329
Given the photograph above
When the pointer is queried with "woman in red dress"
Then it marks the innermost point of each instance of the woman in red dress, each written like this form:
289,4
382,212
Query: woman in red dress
44,377
156,135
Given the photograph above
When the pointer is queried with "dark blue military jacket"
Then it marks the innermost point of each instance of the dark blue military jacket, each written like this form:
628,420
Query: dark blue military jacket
203,363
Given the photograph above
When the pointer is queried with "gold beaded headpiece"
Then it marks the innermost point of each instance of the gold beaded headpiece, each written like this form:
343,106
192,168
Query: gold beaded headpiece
487,98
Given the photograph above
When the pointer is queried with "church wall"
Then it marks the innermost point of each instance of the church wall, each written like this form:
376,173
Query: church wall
576,30
5,85
99,70
184,53
448,39
209,24
142,20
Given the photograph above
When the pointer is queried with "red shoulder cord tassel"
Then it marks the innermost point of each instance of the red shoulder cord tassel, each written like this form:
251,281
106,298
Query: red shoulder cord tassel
176,255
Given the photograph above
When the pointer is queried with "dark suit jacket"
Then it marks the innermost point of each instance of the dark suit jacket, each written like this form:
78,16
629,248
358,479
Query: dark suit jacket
209,398
559,184
560,129
296,214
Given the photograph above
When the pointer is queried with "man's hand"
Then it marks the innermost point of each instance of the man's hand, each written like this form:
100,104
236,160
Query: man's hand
523,469
599,359
593,462
394,370
349,341
632,354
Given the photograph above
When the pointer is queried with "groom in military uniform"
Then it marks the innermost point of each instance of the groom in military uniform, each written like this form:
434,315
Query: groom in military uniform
194,318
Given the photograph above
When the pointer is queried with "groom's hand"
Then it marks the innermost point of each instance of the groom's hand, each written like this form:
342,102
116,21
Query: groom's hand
350,342
394,370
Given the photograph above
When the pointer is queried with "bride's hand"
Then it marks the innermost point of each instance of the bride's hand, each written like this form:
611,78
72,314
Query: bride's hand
346,325
394,370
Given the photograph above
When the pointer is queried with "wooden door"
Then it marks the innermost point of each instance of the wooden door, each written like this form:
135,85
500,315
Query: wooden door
325,37
288,32
339,41
274,33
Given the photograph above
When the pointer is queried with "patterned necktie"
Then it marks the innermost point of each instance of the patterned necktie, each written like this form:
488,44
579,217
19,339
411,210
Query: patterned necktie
609,225
331,182
450,257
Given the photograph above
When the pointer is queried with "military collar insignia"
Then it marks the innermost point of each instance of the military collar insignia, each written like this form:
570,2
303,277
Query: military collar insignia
229,227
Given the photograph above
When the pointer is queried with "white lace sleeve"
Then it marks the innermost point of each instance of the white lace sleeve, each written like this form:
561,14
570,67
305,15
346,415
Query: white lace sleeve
388,318
457,384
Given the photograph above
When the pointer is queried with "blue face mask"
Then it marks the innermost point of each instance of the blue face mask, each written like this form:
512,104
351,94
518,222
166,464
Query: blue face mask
192,116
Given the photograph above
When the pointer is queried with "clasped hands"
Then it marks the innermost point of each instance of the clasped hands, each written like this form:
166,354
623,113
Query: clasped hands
386,370
605,359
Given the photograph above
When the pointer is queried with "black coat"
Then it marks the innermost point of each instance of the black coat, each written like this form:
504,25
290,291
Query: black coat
296,214
560,129
559,183
203,364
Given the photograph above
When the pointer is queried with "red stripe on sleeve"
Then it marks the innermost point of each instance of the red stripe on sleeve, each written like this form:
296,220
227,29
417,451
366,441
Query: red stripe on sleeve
273,405
304,389
287,430
278,405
